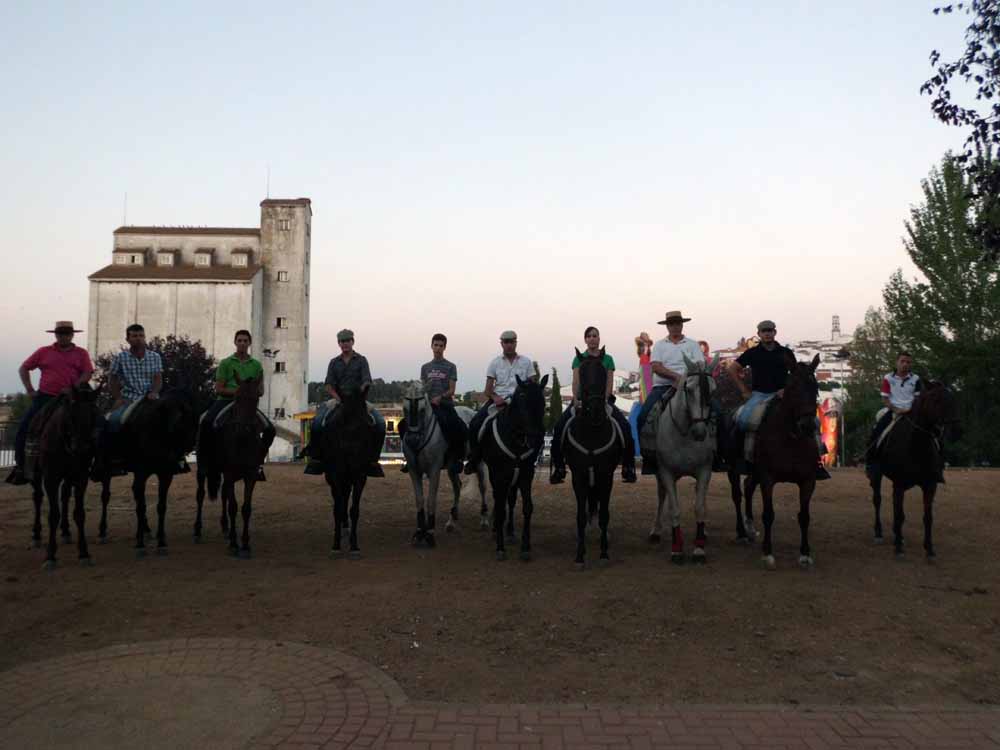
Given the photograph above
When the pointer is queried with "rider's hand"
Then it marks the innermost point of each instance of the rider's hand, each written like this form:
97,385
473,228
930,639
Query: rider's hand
577,403
745,395
31,392
780,393
498,400
436,401
152,396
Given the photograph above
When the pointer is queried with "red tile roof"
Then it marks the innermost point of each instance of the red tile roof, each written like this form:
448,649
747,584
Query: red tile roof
175,273
225,231
286,202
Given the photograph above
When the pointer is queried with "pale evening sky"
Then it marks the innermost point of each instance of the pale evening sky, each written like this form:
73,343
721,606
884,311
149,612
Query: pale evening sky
481,166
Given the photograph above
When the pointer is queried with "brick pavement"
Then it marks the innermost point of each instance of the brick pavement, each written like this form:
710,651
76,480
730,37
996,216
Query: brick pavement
217,692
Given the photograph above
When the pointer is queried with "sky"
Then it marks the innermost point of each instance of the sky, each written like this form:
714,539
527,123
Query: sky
475,167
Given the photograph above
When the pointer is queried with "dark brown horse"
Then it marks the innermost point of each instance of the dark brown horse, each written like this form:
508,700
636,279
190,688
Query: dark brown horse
911,456
153,441
346,446
65,452
236,454
742,483
786,451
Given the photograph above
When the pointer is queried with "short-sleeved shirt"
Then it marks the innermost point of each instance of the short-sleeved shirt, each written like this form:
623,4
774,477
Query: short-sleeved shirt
671,356
61,368
768,370
136,374
901,391
505,374
232,366
607,361
351,375
437,376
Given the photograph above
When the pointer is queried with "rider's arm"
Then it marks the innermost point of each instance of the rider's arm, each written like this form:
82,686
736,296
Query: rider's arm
451,389
663,372
611,384
88,369
154,390
331,382
736,371
115,385
490,393
23,373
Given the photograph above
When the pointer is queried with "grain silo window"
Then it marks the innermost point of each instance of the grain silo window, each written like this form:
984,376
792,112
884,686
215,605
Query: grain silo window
240,260
282,275
279,366
284,225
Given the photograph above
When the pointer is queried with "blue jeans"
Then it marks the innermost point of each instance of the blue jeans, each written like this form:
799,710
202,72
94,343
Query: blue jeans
20,440
114,417
652,399
756,398
317,427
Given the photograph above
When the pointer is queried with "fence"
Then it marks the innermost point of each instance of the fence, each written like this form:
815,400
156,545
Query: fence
7,432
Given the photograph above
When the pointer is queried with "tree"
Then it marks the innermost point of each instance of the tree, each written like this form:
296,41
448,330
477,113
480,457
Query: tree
979,64
185,363
317,392
950,319
555,402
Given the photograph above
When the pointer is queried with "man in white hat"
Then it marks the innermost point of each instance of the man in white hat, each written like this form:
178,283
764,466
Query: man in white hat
63,364
501,382
669,370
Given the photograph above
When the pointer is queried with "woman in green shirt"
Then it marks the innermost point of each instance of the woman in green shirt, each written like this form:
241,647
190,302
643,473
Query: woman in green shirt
592,337
242,364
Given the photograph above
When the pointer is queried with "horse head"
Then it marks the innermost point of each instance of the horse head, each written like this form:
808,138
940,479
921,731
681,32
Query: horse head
698,387
801,391
415,406
527,411
936,409
81,439
593,377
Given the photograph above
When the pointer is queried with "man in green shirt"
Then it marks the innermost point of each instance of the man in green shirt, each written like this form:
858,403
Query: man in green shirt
246,367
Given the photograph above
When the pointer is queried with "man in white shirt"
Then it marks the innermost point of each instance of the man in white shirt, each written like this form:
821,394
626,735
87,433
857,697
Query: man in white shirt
501,382
669,370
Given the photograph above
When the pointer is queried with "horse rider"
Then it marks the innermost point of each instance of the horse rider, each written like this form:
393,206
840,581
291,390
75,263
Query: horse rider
899,390
501,382
241,364
135,374
347,372
592,337
669,371
768,374
63,364
440,377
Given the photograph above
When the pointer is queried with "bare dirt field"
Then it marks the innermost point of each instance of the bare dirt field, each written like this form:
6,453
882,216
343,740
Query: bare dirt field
453,624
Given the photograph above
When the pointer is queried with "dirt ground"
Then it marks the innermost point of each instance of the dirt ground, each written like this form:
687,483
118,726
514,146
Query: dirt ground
454,624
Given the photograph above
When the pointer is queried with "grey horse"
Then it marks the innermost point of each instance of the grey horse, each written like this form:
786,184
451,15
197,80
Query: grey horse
426,451
683,449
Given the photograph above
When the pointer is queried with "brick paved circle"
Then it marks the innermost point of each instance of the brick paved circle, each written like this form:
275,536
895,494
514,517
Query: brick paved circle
198,692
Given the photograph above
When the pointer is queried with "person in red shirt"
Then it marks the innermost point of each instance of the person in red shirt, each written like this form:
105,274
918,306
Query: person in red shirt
63,365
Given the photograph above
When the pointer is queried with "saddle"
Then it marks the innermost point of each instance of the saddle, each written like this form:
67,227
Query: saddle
616,433
222,417
887,430
35,430
647,438
756,418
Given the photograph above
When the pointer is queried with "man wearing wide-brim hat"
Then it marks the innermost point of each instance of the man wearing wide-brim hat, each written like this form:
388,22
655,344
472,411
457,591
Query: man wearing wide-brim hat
669,370
63,365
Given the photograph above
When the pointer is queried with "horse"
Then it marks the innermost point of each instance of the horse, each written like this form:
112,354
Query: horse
345,451
154,440
66,448
785,450
235,456
510,445
426,450
683,448
742,483
593,449
910,456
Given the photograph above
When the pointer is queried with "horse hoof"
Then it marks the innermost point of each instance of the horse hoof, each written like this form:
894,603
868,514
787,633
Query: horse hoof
86,562
931,556
806,562
879,539
742,541
431,541
197,538
336,554
417,538
698,556
49,566
769,563
484,525
525,555
654,538
66,538
501,555
450,526
245,554
140,552
604,561
580,565
899,553
234,552
103,540
677,558
36,543
354,554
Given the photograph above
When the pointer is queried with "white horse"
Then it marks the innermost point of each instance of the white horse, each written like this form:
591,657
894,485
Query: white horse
683,448
426,451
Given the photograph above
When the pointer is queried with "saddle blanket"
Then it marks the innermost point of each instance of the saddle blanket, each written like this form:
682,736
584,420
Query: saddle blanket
217,422
881,438
753,413
332,404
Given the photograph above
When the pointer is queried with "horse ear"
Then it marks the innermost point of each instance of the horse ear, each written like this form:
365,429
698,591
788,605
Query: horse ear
602,351
814,364
790,360
544,380
519,381
577,350
687,362
239,380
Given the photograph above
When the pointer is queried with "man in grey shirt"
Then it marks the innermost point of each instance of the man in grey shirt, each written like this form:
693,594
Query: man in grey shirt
440,377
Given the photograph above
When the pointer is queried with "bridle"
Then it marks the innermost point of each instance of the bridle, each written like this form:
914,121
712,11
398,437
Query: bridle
704,398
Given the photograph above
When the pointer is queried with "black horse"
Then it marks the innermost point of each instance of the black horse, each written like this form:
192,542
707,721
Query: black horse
346,447
593,450
510,447
911,456
742,482
66,446
155,439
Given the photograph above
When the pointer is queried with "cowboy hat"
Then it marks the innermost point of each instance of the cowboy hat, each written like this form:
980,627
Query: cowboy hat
64,326
672,316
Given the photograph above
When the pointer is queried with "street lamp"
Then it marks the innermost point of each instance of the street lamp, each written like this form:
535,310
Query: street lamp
269,354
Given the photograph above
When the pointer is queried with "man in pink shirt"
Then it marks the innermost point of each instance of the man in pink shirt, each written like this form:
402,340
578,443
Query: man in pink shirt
63,365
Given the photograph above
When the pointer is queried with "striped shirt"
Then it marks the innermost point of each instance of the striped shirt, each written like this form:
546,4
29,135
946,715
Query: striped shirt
135,374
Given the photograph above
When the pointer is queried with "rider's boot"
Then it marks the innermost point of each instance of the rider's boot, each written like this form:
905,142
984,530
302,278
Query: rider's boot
375,469
16,476
648,463
405,468
558,473
472,465
628,472
821,472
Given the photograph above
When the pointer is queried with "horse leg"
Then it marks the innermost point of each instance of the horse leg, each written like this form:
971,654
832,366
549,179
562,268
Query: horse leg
141,525
484,511
674,511
335,494
930,490
767,492
224,505
500,490
36,528
433,482
527,508
80,517
418,495
456,488
52,490
359,487
580,489
805,495
898,517
749,485
199,499
102,530
511,530
229,508
661,495
876,484
164,480
700,540
737,497
65,490
604,514
248,485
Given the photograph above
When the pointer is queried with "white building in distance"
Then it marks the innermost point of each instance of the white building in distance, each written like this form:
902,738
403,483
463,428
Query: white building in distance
208,282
